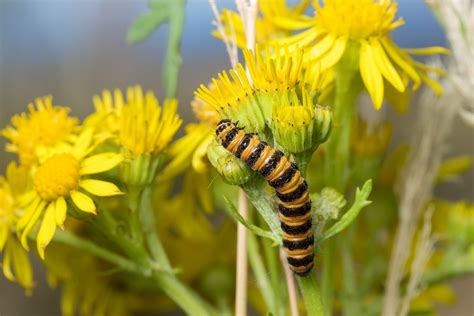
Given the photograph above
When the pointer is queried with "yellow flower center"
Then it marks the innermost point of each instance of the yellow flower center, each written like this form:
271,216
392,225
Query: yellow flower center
359,19
57,177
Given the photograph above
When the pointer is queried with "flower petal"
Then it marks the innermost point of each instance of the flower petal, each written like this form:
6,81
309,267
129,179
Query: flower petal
31,223
83,202
47,229
427,50
100,188
370,75
61,211
22,266
83,142
28,213
321,47
398,57
100,163
334,54
6,264
385,66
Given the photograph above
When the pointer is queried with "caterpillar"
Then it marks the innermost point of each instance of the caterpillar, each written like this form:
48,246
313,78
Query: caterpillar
294,203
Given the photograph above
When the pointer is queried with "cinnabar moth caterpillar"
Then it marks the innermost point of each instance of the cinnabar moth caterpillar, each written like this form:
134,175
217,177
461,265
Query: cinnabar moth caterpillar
294,204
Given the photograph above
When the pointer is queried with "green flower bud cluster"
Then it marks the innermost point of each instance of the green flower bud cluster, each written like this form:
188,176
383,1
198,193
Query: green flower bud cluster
232,169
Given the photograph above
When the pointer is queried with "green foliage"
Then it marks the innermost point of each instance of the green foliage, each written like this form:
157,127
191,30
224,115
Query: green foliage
253,228
328,203
163,11
359,203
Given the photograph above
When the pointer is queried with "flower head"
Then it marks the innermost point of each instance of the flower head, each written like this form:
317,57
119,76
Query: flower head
145,126
63,175
341,27
16,265
299,125
273,71
45,126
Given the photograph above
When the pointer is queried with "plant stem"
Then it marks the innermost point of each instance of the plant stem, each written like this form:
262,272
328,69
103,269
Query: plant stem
311,295
260,274
72,240
191,303
327,288
338,150
350,299
290,282
147,220
242,264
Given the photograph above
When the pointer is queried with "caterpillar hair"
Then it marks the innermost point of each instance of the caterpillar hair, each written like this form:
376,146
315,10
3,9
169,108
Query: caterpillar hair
294,204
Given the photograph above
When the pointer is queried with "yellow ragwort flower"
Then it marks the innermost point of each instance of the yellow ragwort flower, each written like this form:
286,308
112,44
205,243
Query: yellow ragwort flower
16,264
63,173
339,25
145,126
45,126
273,72
265,27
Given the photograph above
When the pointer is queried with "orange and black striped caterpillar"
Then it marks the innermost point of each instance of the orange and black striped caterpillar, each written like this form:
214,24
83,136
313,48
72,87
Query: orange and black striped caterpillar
294,204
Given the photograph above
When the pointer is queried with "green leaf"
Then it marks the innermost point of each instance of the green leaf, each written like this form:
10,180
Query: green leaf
254,229
145,25
359,203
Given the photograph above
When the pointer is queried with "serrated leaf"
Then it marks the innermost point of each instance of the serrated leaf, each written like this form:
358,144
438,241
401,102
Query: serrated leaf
359,203
254,229
145,24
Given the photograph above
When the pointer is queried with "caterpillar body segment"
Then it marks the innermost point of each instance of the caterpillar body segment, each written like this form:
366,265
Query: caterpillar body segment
294,203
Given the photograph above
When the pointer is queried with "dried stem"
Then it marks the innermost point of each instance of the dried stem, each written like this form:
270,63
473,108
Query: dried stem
242,262
423,251
230,43
290,282
435,119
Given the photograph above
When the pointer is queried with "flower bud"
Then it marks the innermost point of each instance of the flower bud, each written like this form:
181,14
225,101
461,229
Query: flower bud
233,170
328,203
139,171
299,126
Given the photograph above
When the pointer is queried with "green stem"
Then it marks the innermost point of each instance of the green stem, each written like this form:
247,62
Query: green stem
337,168
351,302
69,239
327,288
173,61
311,294
147,220
260,273
183,296
273,262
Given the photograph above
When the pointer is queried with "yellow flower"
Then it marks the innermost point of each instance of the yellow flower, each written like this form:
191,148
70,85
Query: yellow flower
145,126
61,177
86,289
339,26
370,143
45,126
16,265
273,71
189,150
265,27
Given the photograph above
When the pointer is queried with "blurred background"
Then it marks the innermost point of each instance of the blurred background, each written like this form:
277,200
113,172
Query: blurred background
74,49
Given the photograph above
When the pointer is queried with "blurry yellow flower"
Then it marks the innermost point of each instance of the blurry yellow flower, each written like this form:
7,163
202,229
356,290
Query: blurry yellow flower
145,126
45,125
453,168
427,299
86,290
16,265
339,25
204,112
107,108
60,177
189,150
370,142
265,27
